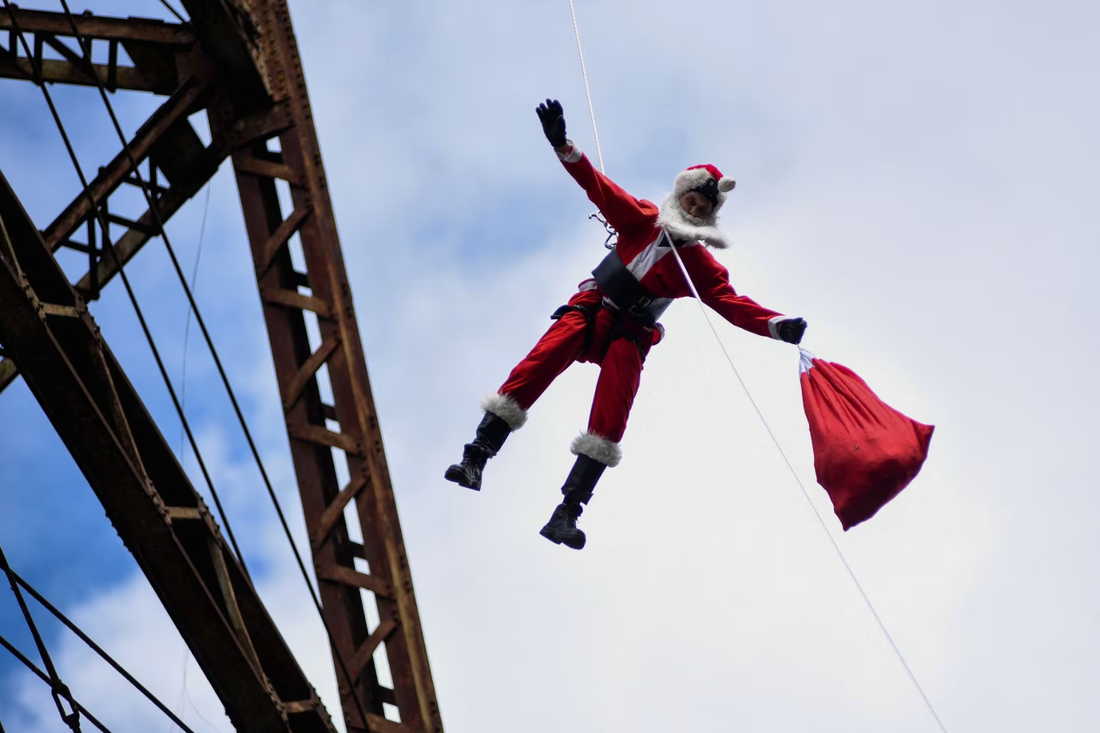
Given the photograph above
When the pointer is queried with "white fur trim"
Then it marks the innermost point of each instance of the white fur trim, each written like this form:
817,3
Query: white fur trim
506,408
683,225
572,156
726,184
689,179
597,448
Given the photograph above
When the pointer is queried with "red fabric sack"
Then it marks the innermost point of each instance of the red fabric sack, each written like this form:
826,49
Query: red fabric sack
865,452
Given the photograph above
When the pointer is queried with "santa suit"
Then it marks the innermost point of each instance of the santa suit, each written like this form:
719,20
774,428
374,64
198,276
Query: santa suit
606,336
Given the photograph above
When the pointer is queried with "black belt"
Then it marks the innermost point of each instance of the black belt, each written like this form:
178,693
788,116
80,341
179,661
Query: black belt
627,293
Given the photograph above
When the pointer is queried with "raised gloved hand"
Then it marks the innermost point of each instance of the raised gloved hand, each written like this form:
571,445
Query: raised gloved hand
791,331
553,123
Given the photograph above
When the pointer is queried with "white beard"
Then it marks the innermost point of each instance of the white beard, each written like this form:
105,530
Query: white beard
682,225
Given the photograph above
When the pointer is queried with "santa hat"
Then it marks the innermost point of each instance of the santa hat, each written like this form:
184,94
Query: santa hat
709,181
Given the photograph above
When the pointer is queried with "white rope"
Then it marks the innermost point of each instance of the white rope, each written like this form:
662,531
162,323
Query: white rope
587,91
806,494
760,414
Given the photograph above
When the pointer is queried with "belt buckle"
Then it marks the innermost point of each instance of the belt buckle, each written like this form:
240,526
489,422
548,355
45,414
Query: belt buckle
639,308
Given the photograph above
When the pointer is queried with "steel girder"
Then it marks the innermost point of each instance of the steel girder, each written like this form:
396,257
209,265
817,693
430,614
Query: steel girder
322,294
157,50
178,166
163,521
241,64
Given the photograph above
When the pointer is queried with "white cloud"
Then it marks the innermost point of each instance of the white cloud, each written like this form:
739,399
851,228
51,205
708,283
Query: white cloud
917,182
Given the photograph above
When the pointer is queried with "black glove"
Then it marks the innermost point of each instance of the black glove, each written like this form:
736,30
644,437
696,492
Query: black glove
553,123
791,331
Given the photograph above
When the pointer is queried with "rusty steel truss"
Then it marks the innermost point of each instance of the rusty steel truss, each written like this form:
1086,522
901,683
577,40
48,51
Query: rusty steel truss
238,61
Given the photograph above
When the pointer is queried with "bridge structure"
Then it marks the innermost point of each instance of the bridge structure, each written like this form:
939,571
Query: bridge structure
237,61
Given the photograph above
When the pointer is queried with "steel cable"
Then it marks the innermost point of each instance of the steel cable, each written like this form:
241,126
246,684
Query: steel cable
86,53
173,11
98,650
104,224
57,687
190,295
14,651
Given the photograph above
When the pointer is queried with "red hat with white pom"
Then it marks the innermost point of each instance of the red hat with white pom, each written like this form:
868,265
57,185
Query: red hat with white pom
707,180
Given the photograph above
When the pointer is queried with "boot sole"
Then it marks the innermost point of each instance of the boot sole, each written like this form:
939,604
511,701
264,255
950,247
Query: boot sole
458,476
553,537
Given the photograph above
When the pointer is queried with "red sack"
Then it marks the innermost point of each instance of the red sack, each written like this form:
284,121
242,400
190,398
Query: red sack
865,452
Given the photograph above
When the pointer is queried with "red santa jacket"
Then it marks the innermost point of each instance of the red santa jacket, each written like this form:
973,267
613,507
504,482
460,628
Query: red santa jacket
639,247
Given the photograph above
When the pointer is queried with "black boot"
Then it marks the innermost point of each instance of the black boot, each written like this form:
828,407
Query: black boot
491,434
562,527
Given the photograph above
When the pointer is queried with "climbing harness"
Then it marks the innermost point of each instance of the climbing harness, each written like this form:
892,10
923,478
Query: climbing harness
618,327
623,288
619,330
589,313
760,414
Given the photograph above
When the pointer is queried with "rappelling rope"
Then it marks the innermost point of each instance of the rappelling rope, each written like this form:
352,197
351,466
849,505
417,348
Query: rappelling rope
803,354
587,91
806,495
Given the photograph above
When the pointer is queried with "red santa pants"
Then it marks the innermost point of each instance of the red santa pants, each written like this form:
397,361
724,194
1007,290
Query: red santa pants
564,343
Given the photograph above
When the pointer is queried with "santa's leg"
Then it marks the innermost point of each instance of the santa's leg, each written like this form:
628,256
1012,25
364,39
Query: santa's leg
598,448
506,410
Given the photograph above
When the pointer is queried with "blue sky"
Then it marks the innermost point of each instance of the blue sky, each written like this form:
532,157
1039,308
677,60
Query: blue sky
54,529
917,181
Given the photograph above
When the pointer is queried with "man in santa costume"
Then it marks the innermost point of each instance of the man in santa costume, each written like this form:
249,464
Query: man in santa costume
612,319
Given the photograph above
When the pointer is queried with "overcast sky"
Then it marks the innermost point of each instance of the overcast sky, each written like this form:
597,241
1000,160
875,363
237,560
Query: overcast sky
917,180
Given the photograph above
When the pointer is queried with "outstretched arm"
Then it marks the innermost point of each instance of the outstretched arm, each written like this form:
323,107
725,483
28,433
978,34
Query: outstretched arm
622,210
712,280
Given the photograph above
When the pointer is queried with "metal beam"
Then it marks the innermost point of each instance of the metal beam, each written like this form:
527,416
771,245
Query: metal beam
186,100
163,521
65,72
240,131
101,27
258,92
315,448
160,51
8,373
172,113
229,34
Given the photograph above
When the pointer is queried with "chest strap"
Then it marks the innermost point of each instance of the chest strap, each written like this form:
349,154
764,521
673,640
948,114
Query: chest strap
627,293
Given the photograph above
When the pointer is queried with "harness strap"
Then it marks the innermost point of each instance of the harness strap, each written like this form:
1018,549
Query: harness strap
615,334
589,313
617,330
627,292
